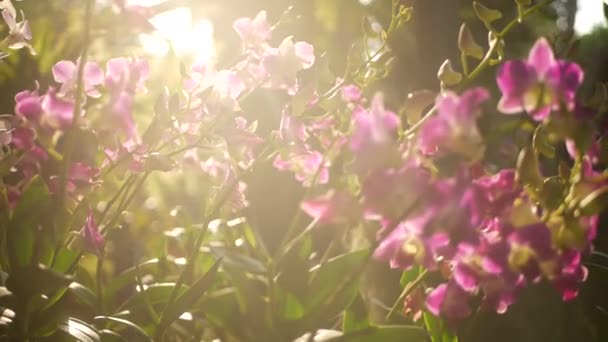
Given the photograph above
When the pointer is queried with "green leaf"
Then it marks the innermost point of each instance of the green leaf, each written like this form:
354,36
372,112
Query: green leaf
332,275
131,329
107,335
184,302
36,279
28,214
239,261
158,293
128,276
80,330
410,275
355,317
436,328
222,310
433,325
83,294
292,309
64,258
387,333
248,294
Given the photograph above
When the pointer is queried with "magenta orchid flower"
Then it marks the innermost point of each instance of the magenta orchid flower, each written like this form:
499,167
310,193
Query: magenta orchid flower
199,78
334,207
254,31
65,72
58,112
407,245
124,73
390,193
28,105
125,77
450,301
539,84
227,87
308,165
19,33
291,129
80,176
94,242
374,138
454,128
242,140
351,93
284,62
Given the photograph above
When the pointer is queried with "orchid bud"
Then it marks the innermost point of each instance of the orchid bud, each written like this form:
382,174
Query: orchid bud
447,75
467,44
485,14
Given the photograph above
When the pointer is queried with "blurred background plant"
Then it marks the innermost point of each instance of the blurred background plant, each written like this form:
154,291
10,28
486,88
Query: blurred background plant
159,219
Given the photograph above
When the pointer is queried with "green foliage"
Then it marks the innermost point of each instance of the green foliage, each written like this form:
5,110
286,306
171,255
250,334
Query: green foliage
214,270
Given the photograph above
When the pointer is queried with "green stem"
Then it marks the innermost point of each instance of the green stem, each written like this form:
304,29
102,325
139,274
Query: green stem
296,218
123,189
465,64
484,62
126,200
78,95
406,291
140,283
224,196
99,283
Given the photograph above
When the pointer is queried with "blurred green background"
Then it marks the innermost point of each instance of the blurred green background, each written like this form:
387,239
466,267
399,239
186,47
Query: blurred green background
188,30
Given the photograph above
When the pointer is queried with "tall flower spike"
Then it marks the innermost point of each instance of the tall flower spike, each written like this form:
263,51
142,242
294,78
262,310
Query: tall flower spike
124,77
539,84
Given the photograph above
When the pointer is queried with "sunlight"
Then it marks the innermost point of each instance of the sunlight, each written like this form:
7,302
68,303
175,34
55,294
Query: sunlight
590,14
176,29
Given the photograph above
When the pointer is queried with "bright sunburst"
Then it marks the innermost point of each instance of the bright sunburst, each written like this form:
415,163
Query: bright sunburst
176,29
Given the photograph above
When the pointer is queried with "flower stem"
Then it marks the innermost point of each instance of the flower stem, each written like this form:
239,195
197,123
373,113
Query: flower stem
406,291
70,140
219,203
484,62
99,283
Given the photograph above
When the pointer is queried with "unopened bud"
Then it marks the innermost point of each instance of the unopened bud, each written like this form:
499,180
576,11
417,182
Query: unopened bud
447,75
467,44
485,14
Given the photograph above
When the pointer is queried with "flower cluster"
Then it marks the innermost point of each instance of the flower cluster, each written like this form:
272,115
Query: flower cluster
19,34
429,194
496,232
